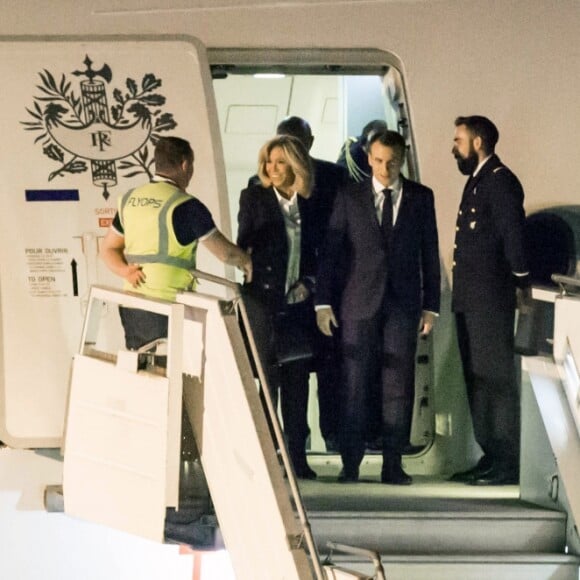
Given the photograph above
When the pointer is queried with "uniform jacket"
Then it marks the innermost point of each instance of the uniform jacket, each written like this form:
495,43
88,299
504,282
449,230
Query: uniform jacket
409,273
261,227
489,240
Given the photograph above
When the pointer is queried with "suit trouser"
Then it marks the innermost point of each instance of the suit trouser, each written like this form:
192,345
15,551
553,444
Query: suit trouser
329,378
385,344
486,345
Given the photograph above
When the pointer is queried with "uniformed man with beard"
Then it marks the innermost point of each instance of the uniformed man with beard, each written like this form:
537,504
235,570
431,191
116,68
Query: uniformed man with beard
490,276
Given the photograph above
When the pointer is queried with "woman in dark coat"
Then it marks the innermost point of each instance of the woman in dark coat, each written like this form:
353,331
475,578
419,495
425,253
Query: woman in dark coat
275,224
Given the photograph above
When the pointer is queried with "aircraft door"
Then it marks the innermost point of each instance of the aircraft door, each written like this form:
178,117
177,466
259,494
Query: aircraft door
80,119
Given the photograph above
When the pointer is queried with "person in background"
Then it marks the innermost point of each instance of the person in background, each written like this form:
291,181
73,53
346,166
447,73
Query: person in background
276,226
354,152
152,242
384,231
490,272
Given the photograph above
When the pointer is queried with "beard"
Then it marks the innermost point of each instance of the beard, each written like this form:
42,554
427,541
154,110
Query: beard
468,164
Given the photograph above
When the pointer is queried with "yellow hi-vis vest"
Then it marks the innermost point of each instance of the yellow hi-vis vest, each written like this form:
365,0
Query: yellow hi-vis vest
146,216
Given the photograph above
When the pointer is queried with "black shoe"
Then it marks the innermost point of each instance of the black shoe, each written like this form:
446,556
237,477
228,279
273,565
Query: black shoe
497,476
483,467
348,477
392,472
396,477
304,472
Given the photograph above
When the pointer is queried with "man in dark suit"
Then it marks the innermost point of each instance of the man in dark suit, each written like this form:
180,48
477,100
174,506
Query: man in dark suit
383,234
489,269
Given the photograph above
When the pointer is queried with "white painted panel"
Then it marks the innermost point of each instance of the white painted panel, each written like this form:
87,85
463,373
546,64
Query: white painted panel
235,97
61,203
567,327
559,423
250,119
320,100
115,461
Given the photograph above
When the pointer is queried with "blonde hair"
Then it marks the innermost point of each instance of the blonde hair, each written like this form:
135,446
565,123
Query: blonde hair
298,160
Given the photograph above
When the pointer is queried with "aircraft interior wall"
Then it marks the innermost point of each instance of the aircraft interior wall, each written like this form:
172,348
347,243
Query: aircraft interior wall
250,108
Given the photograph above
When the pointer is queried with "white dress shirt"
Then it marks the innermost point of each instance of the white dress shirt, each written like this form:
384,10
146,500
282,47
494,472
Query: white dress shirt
291,213
396,196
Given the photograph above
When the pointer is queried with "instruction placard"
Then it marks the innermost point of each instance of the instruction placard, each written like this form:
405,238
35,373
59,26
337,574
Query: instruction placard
50,271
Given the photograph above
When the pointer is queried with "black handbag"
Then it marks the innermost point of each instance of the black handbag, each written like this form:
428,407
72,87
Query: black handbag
292,336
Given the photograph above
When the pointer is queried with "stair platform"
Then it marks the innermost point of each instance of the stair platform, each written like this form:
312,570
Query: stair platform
438,530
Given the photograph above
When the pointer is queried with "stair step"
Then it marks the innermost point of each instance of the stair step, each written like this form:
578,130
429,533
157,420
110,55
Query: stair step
431,518
406,532
470,567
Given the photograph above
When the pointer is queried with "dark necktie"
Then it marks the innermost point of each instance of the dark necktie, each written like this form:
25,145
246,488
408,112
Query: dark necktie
387,217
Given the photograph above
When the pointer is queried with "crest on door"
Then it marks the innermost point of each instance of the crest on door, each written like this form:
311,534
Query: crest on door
83,123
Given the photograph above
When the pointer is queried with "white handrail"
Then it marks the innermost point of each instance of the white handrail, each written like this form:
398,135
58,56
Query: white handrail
287,463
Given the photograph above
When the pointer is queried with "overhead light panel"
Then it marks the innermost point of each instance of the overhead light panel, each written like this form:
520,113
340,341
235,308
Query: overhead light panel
269,75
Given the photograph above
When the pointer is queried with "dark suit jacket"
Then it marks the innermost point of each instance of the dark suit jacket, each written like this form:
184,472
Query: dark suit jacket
408,275
328,179
261,227
489,240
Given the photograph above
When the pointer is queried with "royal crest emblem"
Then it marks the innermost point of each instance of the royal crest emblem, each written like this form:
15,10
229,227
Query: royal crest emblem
77,130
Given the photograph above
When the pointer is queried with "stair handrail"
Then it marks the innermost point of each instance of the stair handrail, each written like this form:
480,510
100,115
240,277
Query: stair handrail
286,462
567,284
356,551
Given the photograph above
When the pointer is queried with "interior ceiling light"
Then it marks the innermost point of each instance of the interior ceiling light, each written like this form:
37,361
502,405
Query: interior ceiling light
269,75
